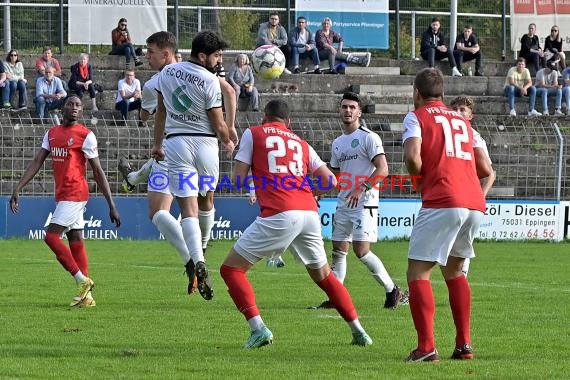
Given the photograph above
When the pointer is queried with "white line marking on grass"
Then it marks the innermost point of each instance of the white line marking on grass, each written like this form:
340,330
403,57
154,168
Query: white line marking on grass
260,271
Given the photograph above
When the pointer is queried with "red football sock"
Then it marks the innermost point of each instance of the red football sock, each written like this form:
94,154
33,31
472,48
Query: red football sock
422,306
460,302
80,256
62,252
240,290
339,297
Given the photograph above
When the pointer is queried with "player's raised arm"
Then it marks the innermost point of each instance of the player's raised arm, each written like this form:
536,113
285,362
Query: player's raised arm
230,106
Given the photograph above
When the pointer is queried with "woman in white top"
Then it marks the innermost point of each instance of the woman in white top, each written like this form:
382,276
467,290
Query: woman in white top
15,81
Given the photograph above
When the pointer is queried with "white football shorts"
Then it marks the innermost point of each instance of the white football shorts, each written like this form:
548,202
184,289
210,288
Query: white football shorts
158,174
298,230
359,224
442,232
193,165
69,214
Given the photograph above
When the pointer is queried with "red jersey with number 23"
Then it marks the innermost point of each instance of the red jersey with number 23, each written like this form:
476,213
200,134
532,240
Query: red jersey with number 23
281,164
448,175
70,148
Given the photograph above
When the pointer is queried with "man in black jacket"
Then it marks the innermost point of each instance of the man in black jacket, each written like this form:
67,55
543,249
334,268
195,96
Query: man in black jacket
434,48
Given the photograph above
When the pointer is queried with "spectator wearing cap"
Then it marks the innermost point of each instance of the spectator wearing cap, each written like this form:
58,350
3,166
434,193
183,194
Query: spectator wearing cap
547,85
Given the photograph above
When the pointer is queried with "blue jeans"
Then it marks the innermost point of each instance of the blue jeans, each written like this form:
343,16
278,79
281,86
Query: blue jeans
566,95
10,90
296,55
126,49
512,91
544,93
43,106
125,106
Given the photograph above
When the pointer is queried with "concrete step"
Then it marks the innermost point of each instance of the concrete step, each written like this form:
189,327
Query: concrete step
383,89
392,101
322,84
406,66
108,78
372,70
393,109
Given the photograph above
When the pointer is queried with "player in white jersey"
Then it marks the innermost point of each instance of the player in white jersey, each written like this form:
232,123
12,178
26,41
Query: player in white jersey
161,52
464,105
190,113
359,162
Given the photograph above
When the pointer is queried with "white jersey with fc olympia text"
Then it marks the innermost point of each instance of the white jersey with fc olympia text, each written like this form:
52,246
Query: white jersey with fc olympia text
189,90
148,97
352,155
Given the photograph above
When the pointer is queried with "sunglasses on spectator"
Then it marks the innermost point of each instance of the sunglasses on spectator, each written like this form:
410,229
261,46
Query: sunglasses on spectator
554,30
123,24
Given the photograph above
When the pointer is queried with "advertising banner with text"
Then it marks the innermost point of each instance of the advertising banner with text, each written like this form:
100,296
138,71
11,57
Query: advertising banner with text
91,21
233,216
503,220
361,23
543,13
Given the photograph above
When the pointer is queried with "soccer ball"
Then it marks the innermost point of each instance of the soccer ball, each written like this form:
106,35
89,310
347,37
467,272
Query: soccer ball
268,61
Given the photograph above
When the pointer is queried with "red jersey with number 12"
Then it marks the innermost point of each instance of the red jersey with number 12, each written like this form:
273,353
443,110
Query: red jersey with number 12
280,167
449,177
70,147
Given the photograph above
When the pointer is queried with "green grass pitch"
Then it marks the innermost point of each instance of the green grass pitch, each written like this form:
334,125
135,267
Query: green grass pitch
146,326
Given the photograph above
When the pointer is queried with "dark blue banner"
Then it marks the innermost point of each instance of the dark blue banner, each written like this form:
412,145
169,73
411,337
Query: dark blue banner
233,216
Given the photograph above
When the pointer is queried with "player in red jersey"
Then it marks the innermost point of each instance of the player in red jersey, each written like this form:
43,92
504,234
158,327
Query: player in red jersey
438,146
71,146
281,163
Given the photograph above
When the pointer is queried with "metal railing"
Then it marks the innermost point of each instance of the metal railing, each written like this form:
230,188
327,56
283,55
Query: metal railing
34,24
528,154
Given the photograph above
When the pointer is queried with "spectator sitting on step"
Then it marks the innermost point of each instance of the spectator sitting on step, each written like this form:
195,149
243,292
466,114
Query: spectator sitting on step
50,94
326,38
47,60
530,49
122,44
547,85
434,48
519,83
4,86
242,80
553,48
15,81
273,33
302,43
467,49
128,94
82,80
178,56
566,89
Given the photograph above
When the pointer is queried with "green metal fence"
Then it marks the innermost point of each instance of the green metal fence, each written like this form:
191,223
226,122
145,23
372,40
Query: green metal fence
37,23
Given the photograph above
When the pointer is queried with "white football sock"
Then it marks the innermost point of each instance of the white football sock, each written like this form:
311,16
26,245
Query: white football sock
141,175
355,326
378,271
79,277
206,220
255,323
172,231
465,268
339,264
193,238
